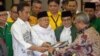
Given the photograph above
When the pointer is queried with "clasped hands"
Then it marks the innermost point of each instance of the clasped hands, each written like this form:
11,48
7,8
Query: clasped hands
48,47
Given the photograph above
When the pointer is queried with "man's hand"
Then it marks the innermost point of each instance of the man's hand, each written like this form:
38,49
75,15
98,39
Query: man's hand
46,44
51,50
42,49
37,48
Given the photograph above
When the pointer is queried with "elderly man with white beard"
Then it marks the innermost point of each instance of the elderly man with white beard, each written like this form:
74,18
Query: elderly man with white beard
42,31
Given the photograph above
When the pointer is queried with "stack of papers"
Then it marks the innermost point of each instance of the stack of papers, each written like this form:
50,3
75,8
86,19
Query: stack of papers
60,44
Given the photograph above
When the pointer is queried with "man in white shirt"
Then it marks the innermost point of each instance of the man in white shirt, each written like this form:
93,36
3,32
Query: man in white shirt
21,34
43,32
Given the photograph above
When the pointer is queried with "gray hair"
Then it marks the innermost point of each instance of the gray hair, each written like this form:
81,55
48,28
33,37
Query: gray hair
82,17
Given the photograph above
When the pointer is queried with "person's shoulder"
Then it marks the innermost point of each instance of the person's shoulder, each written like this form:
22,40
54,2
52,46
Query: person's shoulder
9,23
74,27
49,13
59,28
91,30
15,24
97,19
59,13
32,17
9,19
35,26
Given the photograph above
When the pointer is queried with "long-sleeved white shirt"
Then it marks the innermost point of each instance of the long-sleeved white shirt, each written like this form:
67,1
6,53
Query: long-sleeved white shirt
66,35
43,34
21,38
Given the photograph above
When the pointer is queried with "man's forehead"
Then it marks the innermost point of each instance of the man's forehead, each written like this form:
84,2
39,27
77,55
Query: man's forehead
35,3
88,9
3,12
44,18
26,7
15,7
72,2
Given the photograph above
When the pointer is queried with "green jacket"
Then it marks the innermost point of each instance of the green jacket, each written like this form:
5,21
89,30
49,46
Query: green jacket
1,33
59,30
3,48
96,24
8,38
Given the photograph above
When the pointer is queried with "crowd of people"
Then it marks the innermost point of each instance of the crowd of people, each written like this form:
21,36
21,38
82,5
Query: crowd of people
28,31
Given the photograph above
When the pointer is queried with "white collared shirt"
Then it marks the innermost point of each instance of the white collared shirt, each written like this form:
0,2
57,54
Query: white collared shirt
43,34
66,35
20,31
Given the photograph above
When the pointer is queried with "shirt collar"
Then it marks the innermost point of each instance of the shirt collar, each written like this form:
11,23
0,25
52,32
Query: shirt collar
50,14
67,28
21,21
10,19
42,30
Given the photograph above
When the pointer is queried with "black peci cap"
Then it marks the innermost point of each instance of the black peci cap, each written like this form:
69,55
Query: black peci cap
66,14
42,14
90,5
2,8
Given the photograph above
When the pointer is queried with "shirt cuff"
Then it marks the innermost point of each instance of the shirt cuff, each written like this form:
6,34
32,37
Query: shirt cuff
27,45
37,53
40,44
